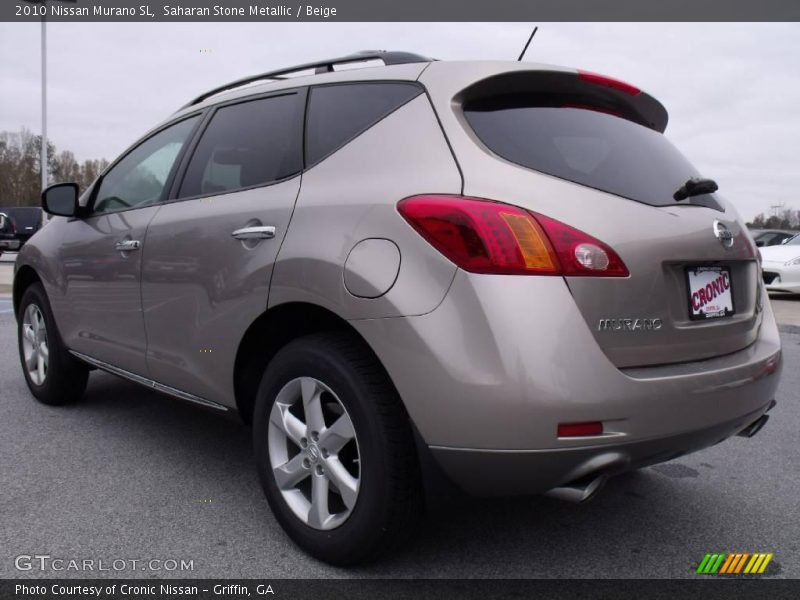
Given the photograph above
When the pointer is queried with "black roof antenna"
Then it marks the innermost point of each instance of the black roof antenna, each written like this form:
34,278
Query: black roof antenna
528,43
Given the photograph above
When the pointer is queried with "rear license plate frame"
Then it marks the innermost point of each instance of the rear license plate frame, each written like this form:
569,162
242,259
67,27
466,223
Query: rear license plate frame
694,271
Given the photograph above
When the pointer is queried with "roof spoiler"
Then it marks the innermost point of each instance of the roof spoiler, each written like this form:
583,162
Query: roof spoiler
650,110
578,88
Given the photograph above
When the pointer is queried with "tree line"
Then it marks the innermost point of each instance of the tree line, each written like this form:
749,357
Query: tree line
787,218
20,175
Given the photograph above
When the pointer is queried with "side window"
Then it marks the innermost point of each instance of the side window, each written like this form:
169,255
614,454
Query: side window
338,113
140,177
247,144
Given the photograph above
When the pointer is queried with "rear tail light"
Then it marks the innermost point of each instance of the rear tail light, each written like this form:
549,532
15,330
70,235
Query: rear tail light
580,253
482,236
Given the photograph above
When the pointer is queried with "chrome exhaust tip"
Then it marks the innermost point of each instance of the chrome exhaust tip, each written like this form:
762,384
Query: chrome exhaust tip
579,491
754,427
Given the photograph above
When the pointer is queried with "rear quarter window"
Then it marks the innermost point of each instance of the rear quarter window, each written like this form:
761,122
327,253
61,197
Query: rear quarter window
340,112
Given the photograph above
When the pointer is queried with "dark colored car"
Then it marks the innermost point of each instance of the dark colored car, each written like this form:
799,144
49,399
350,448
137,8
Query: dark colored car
8,234
27,220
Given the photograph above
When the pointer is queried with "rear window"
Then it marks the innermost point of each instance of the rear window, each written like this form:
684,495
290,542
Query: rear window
339,113
584,145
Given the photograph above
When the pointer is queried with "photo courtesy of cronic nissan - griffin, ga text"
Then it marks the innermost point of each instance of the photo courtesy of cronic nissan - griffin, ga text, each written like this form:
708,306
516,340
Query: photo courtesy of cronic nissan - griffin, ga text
495,274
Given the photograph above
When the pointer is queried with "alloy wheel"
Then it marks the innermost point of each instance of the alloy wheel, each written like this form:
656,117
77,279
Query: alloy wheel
34,344
313,452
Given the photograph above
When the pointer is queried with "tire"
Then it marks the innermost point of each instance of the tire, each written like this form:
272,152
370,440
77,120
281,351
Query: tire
350,384
63,378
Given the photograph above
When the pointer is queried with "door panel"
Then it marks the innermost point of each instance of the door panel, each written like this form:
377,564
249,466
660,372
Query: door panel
102,312
202,288
101,253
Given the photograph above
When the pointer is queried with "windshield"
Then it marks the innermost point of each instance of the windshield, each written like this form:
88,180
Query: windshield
586,145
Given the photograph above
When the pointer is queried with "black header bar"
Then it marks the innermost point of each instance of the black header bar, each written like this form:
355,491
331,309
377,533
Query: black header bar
400,10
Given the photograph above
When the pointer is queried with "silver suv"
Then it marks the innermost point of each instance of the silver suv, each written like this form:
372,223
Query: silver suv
500,272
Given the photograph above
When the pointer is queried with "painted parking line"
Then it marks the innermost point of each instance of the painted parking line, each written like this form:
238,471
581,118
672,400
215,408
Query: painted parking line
6,307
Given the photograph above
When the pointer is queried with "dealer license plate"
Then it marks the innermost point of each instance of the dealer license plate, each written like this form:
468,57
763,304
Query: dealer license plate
710,292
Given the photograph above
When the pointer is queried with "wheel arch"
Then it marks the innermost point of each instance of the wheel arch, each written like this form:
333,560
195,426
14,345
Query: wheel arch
270,332
25,277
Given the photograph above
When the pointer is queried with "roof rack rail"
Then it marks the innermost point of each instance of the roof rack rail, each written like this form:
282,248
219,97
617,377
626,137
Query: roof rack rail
323,66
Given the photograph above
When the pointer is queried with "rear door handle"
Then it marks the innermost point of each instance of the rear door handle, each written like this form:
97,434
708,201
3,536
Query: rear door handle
127,245
263,232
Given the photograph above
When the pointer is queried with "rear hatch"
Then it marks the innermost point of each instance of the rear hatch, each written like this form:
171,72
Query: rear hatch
590,152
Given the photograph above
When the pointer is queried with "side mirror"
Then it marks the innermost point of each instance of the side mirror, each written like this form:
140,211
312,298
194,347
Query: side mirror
61,199
759,243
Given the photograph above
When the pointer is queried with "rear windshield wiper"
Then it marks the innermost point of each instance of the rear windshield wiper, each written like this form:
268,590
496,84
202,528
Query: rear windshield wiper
695,187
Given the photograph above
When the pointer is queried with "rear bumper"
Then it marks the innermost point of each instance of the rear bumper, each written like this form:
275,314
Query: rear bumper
9,245
488,376
505,473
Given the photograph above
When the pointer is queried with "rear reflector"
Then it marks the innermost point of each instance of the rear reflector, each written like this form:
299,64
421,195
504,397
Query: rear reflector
616,84
483,236
580,429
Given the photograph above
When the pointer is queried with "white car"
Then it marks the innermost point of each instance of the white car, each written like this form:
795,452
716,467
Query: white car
781,266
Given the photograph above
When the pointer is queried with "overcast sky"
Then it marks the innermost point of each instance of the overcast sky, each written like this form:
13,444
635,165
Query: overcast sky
732,90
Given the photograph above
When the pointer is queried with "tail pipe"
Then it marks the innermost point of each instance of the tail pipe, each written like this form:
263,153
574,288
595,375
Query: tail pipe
754,427
584,489
579,491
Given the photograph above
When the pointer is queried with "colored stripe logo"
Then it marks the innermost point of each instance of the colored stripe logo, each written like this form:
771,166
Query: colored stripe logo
734,563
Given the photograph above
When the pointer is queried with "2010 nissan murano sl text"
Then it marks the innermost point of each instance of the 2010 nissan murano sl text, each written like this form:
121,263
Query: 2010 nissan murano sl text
500,270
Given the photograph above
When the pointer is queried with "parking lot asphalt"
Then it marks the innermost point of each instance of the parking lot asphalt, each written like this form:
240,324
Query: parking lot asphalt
130,474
